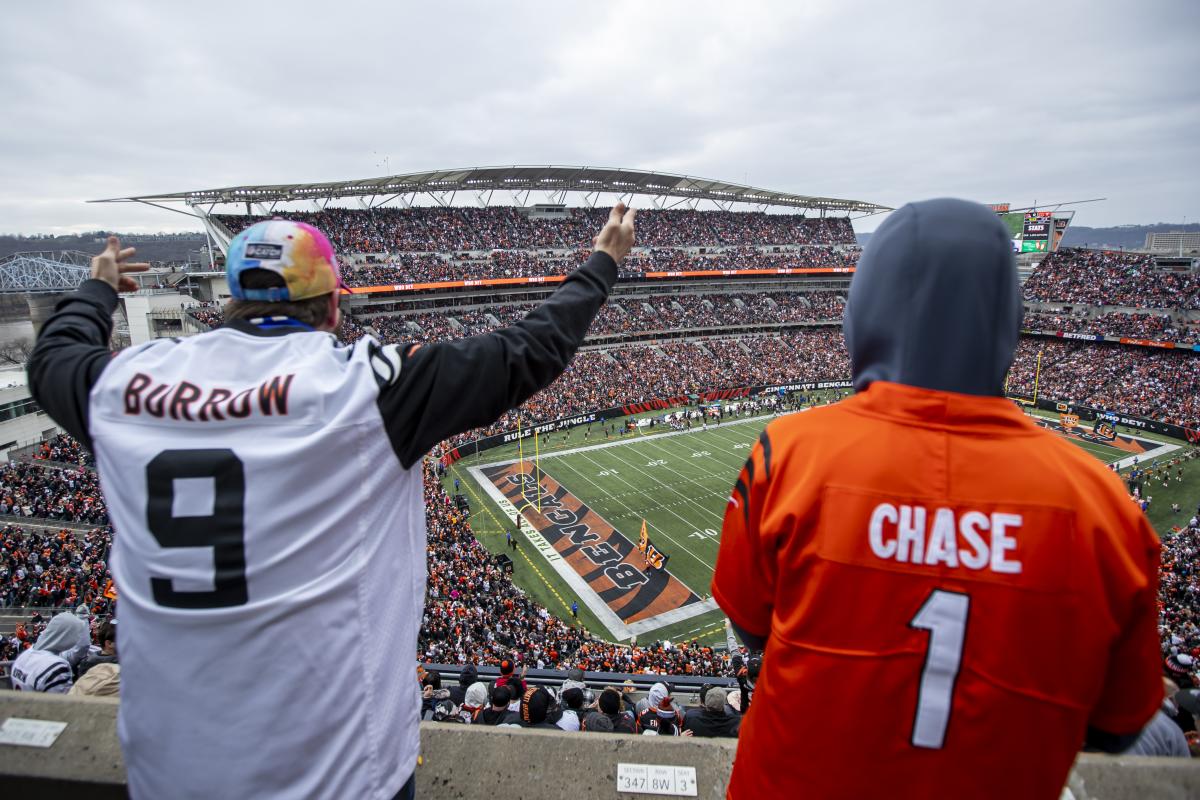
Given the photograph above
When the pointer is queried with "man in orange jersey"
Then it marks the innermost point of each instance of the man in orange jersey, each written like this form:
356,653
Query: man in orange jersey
924,543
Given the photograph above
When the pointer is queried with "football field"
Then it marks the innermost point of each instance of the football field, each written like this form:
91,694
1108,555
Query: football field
582,505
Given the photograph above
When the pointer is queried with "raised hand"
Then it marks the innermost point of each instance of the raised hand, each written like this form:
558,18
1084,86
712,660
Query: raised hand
616,238
111,267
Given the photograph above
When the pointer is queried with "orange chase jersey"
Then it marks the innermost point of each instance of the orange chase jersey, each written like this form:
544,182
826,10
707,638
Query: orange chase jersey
952,596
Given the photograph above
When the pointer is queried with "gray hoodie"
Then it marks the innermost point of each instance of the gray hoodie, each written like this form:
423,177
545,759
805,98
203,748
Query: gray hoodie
935,301
66,636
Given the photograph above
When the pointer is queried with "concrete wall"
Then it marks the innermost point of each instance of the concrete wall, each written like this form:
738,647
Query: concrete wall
467,762
25,429
41,306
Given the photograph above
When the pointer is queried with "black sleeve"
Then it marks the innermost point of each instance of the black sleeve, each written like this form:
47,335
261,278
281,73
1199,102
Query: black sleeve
1106,742
450,387
71,352
751,640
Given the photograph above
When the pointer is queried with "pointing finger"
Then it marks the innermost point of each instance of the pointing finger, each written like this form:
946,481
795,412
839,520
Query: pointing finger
113,246
617,211
126,253
629,215
139,267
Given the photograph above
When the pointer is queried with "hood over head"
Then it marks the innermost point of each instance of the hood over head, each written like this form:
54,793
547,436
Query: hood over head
66,636
935,301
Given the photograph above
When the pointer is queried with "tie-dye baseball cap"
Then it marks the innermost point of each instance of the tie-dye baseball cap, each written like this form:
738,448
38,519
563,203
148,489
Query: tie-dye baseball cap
296,251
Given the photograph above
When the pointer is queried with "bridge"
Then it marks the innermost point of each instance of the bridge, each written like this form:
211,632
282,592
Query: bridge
44,272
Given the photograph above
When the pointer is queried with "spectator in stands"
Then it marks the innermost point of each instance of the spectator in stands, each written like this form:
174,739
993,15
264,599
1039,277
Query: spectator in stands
572,707
661,717
49,666
863,538
595,722
475,701
1161,736
103,680
713,718
535,705
609,704
401,402
498,710
466,676
106,638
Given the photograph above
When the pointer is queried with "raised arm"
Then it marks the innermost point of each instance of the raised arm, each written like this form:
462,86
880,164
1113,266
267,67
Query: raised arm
72,347
450,387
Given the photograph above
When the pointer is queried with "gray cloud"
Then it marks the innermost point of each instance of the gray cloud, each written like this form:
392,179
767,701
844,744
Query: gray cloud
884,102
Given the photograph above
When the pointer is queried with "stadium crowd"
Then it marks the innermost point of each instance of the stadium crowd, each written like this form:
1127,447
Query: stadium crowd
1155,327
1108,278
458,229
68,495
405,268
62,449
1179,607
1160,384
60,569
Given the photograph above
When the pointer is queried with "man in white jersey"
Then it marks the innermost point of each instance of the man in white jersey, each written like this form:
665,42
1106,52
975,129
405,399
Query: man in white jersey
49,666
264,482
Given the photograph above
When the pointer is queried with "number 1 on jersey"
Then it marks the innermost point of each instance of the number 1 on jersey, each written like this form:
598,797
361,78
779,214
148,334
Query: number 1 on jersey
944,615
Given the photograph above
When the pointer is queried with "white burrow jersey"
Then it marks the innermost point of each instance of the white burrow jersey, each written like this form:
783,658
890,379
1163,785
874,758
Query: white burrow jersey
265,487
269,554
41,671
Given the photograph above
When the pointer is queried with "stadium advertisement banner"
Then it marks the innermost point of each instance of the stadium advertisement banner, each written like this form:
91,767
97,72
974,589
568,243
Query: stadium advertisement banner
1128,420
1105,429
704,273
1097,337
1034,246
547,427
1147,343
805,387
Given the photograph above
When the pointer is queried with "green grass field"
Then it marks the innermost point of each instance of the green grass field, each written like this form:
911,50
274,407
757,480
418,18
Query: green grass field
680,485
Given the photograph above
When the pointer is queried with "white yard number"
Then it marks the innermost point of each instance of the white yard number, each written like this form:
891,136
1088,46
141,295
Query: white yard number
658,462
604,473
707,533
701,454
944,615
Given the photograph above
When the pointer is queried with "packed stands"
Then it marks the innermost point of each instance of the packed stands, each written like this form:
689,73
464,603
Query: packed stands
62,449
1179,591
1149,325
69,495
458,229
1107,278
59,569
1160,384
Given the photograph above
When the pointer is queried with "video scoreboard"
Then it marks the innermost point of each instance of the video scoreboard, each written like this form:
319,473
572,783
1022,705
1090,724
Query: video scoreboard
1035,231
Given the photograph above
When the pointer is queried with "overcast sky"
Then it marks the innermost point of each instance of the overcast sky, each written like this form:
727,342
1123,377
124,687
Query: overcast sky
886,102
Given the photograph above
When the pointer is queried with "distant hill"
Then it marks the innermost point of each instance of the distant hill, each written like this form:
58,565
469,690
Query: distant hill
150,247
1126,236
1130,237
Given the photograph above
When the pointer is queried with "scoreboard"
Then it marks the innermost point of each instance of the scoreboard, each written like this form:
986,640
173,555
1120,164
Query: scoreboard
1035,231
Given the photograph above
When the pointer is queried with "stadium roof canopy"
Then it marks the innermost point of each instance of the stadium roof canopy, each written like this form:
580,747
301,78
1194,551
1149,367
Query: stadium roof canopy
555,182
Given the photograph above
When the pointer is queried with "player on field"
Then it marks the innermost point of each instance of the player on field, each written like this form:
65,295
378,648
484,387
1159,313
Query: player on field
952,599
265,485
